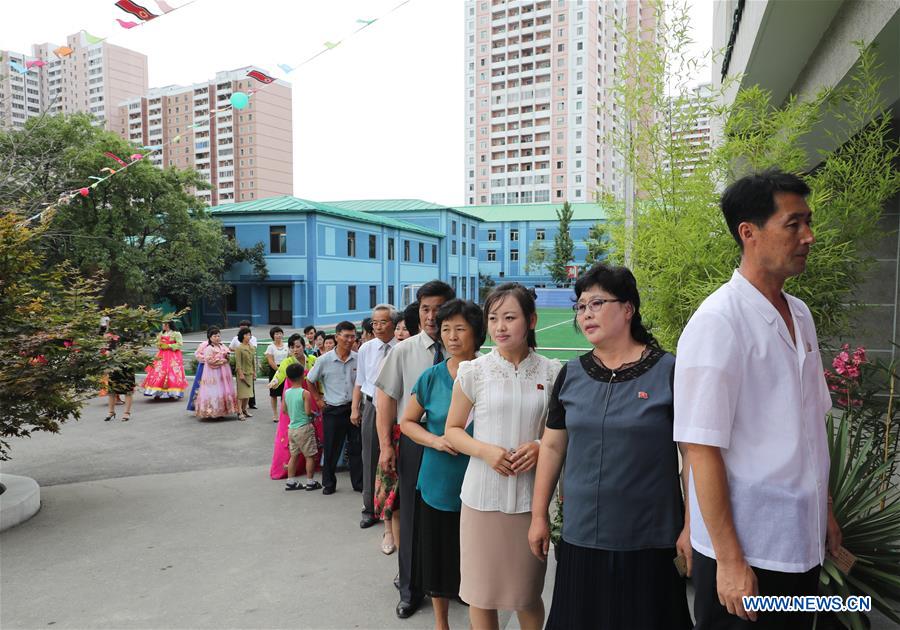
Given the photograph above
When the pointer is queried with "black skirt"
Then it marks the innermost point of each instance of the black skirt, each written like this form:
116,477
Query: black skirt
121,381
638,590
276,393
438,534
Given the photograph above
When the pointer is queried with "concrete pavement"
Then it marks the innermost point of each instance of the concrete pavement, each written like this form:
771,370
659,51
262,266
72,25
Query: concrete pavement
169,522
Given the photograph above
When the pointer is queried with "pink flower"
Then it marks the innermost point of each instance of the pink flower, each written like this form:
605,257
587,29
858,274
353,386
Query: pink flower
853,372
67,344
39,360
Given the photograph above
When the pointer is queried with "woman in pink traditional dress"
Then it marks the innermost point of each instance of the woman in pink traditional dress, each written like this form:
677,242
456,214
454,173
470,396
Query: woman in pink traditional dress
216,396
165,377
281,450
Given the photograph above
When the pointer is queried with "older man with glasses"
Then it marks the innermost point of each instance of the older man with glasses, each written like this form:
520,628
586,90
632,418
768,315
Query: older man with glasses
371,355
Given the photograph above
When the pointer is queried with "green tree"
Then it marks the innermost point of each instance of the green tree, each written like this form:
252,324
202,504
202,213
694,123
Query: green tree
681,250
142,232
53,358
485,285
563,247
597,243
536,259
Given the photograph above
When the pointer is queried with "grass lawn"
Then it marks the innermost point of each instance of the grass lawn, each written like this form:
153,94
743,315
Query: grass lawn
555,330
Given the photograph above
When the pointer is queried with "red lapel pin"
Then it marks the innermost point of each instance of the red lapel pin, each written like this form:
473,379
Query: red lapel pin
643,395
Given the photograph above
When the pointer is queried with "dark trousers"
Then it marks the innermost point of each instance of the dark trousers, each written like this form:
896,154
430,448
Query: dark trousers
337,427
711,615
371,451
408,469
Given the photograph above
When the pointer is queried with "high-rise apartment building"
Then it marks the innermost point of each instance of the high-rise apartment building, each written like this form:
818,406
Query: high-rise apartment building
538,102
689,123
89,77
244,154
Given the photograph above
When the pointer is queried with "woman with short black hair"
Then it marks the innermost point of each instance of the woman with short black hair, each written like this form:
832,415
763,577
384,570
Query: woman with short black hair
461,326
216,396
611,421
275,354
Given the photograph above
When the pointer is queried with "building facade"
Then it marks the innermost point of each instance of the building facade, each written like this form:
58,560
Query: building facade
458,250
537,103
507,233
326,263
690,126
245,155
821,39
92,78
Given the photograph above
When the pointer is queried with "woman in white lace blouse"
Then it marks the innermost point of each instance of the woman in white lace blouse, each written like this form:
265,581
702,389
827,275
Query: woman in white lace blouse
507,394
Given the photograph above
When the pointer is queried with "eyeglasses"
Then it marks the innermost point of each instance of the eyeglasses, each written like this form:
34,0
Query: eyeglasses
593,305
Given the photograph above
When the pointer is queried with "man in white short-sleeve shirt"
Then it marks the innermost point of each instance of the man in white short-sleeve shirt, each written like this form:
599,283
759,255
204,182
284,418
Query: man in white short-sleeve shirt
750,405
362,410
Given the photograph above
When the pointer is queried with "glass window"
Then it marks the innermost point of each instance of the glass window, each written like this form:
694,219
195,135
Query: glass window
514,235
434,254
351,244
491,255
421,252
351,298
492,235
453,247
277,239
540,235
373,248
513,255
373,295
405,250
391,249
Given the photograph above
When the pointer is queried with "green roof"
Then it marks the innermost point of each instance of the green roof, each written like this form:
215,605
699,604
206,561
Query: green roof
534,212
289,204
395,205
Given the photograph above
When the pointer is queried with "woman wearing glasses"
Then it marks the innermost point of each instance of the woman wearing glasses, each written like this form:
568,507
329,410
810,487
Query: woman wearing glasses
610,420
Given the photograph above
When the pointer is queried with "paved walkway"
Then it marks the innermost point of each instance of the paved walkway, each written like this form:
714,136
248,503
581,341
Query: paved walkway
169,522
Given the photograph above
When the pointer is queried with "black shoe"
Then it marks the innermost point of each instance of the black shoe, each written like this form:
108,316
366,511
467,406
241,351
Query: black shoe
293,485
407,609
252,407
328,491
367,521
397,582
313,485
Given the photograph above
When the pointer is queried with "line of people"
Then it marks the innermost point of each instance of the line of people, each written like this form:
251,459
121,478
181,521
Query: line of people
474,445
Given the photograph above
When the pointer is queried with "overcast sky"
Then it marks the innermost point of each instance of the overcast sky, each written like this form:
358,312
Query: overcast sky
380,116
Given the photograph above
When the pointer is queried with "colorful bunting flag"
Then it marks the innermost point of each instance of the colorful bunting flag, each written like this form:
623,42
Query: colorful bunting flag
366,22
286,68
91,39
164,6
106,169
330,45
259,76
136,156
35,63
129,6
112,155
63,51
126,24
18,67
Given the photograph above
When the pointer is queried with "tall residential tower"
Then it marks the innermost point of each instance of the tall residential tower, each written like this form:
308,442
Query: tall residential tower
538,102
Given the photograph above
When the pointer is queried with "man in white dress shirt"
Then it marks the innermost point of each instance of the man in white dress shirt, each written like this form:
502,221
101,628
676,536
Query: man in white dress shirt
362,414
750,405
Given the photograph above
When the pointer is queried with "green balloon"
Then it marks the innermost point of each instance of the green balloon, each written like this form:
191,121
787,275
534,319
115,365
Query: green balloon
239,100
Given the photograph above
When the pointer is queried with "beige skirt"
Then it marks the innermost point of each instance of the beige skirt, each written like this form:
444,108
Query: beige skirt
497,569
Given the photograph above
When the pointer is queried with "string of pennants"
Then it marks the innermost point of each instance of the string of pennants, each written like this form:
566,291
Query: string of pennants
237,101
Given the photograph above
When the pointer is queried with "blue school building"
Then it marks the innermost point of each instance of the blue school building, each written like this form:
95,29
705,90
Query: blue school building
330,261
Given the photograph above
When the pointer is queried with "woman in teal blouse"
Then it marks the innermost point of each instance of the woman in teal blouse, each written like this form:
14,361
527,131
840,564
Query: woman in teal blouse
461,324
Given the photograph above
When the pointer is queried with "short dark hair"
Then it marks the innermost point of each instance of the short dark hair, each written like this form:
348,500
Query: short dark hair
275,329
525,298
308,328
294,338
244,322
171,324
435,288
320,333
212,330
470,311
620,282
367,325
752,198
294,372
332,337
344,325
399,316
411,318
243,332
